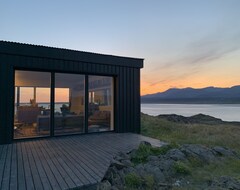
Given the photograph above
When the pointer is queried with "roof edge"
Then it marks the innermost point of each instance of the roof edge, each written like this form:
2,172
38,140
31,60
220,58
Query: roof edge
22,49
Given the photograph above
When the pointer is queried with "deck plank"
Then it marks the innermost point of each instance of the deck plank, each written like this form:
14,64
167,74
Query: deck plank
67,158
43,177
14,178
44,160
83,159
20,166
7,169
56,178
62,162
28,172
57,154
2,163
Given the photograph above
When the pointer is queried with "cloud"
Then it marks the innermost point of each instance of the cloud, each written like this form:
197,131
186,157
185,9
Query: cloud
205,50
195,56
176,77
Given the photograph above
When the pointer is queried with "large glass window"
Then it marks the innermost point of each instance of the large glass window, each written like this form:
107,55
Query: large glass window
100,108
69,103
32,112
32,104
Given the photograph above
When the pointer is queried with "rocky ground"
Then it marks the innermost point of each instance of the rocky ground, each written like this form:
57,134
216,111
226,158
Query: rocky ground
199,118
166,168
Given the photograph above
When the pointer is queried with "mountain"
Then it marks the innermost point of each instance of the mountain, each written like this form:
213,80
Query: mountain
209,95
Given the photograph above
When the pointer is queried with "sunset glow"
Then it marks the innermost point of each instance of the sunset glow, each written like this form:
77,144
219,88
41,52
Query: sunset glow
184,43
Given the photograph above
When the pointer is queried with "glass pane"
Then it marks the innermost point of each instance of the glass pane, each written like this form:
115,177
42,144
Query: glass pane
32,104
100,108
69,103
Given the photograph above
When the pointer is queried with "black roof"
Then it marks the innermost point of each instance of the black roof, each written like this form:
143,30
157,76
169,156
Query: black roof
22,49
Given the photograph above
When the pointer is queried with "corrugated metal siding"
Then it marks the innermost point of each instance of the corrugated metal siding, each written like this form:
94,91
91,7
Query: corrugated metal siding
14,48
127,88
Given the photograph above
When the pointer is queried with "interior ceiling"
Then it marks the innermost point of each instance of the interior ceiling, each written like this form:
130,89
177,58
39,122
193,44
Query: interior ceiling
43,79
62,80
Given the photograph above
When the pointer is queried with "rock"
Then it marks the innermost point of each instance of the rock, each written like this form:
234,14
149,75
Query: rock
221,151
166,166
155,171
117,180
202,152
127,163
105,185
133,153
111,173
152,158
118,164
129,170
145,143
175,154
122,156
140,170
226,182
114,188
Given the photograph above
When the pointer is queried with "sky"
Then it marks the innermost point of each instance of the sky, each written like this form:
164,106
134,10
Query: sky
184,43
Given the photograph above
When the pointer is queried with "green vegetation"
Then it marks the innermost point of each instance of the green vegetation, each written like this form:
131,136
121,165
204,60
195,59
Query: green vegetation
144,151
223,134
181,168
149,181
133,180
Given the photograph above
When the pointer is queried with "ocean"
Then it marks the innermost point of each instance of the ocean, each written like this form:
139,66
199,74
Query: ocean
226,112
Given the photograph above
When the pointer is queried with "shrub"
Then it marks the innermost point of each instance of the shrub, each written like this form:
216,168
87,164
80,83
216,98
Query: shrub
181,168
144,151
149,181
132,180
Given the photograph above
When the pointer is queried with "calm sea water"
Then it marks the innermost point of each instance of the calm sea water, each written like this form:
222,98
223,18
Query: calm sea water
226,112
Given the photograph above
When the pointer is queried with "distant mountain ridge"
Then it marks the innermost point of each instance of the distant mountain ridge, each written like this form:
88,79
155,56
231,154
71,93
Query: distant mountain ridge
207,95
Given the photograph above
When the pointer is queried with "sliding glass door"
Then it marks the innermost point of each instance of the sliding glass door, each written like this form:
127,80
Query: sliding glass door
34,115
32,104
100,107
69,104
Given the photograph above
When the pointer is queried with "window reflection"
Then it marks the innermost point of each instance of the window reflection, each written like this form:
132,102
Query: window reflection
69,103
32,103
100,108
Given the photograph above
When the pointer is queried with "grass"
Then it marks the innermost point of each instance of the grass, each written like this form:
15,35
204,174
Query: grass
144,151
226,135
133,181
181,168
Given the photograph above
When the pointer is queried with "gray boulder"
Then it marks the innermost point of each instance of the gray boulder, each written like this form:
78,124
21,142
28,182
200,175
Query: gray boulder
127,163
155,171
117,164
166,166
175,154
226,182
221,151
104,185
122,156
145,143
152,158
201,152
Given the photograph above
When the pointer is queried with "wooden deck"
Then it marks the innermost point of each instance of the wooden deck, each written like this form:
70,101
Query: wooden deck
62,162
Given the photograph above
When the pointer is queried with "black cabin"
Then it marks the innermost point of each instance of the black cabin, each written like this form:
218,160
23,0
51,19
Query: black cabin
48,92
